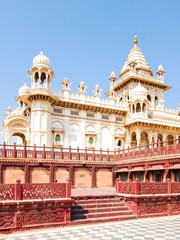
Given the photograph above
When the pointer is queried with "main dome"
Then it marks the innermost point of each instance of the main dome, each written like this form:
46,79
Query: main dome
41,60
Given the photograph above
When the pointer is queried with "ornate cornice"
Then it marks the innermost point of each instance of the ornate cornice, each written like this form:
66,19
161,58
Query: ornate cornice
87,107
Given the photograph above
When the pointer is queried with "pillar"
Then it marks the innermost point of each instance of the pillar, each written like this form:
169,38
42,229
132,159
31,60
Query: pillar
71,175
51,175
93,174
27,174
1,174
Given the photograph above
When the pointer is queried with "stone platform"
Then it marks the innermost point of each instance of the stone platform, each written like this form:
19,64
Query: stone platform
161,228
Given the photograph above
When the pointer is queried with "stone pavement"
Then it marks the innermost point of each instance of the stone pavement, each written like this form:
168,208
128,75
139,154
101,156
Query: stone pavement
163,228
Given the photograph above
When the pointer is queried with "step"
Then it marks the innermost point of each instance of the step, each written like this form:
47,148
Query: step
99,205
101,220
90,201
94,210
100,215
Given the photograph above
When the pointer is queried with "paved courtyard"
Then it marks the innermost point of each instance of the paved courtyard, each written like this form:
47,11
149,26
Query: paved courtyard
164,228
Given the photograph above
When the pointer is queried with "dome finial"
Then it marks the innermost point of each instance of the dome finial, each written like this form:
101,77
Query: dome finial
41,51
135,39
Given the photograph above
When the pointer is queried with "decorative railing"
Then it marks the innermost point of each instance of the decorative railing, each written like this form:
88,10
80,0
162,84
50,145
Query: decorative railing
30,191
7,191
147,188
168,147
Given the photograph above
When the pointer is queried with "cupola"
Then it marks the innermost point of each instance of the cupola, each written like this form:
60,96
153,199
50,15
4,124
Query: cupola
112,77
24,90
41,60
160,71
97,91
41,73
66,85
82,88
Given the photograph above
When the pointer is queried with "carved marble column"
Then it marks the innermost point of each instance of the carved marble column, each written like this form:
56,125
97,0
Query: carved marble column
93,174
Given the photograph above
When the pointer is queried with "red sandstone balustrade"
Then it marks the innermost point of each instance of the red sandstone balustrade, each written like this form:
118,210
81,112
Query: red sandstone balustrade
142,151
147,188
31,191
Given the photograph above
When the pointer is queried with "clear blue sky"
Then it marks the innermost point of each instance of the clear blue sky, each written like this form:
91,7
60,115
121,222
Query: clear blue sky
85,40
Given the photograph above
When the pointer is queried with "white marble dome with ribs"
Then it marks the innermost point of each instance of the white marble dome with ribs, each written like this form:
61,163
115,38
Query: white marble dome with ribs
41,60
24,89
138,92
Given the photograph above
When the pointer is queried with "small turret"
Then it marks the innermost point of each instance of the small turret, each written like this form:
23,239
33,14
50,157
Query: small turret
97,91
82,88
112,78
160,71
66,85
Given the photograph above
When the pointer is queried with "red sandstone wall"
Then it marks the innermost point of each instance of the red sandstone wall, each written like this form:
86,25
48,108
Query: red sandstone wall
39,175
61,175
11,174
82,178
103,178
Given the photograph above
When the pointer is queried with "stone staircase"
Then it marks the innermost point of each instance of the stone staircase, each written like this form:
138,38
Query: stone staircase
99,209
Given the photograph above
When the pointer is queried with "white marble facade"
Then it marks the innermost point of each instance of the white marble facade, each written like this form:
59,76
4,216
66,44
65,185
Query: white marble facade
132,114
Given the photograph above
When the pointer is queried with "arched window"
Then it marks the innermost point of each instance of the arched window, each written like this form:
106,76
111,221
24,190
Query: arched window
138,107
149,97
160,138
144,138
57,138
43,77
170,139
36,77
91,140
133,109
144,107
119,143
156,101
133,140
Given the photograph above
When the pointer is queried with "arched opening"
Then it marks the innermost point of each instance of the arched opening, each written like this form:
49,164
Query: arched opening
144,138
43,77
119,143
57,138
148,97
36,77
133,109
156,101
160,138
144,107
21,139
133,140
138,107
91,140
170,139
120,99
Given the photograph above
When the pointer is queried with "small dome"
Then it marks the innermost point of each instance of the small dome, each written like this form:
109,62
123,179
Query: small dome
138,92
24,89
160,67
160,70
112,76
41,60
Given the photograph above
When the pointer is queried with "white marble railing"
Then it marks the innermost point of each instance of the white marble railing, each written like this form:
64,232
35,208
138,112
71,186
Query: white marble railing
139,75
95,101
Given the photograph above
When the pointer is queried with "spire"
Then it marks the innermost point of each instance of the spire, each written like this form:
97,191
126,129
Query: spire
137,59
135,39
41,53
